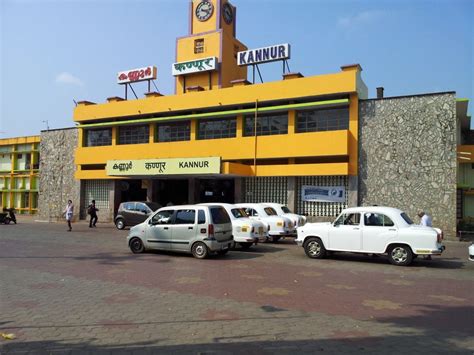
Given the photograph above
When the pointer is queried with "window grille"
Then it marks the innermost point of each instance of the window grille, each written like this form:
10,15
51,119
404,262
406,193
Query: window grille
173,132
322,120
266,189
266,125
98,137
320,209
133,134
214,129
97,190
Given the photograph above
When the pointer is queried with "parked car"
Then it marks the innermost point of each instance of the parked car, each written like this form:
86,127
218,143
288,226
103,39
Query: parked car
374,230
132,213
282,210
277,226
245,231
195,229
471,252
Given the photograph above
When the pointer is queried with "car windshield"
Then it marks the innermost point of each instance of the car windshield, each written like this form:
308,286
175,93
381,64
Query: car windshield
270,211
406,218
152,205
239,213
286,209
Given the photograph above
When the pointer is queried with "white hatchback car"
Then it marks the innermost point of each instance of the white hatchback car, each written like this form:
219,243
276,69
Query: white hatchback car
282,210
245,231
195,229
374,230
277,226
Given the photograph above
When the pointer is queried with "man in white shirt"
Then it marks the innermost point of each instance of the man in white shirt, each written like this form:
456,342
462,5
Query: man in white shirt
425,220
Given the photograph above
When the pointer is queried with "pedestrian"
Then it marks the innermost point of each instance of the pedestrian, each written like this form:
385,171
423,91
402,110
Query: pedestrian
92,211
425,220
68,212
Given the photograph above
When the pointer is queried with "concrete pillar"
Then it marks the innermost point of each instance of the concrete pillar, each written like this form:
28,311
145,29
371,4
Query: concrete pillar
149,189
238,191
192,190
291,197
353,191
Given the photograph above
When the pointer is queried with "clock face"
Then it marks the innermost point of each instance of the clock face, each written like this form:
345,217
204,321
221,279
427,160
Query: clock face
227,13
204,10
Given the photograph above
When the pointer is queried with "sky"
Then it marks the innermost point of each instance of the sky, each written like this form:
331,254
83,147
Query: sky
53,53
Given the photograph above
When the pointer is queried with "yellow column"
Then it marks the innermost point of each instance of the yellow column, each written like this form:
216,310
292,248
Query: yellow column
193,130
291,121
114,135
240,126
353,133
151,138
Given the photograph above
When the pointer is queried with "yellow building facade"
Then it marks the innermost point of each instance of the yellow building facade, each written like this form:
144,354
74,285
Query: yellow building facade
19,174
276,136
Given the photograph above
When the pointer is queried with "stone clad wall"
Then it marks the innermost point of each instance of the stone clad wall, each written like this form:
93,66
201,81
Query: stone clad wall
407,156
57,182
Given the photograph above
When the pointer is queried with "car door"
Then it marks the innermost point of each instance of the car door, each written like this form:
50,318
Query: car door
378,229
128,213
184,229
159,230
142,212
346,234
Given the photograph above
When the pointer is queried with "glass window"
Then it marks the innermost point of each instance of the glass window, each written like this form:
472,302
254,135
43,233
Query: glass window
377,220
239,213
129,206
266,125
98,137
286,209
133,134
201,217
173,131
348,219
270,211
322,120
406,218
141,207
162,217
185,217
219,215
214,129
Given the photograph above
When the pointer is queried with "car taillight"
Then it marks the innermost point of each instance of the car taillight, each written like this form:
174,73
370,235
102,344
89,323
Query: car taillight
210,231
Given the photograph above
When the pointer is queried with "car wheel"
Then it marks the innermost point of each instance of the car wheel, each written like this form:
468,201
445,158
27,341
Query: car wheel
314,248
200,250
136,246
120,223
245,246
400,255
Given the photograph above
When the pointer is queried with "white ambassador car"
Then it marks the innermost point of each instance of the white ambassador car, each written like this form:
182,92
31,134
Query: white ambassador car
282,210
245,231
277,226
375,230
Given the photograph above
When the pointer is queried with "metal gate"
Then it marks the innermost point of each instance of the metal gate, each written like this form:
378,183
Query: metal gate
97,190
266,189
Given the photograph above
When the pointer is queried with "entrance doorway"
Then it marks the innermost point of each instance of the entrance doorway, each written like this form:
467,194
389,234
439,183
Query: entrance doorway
173,192
216,190
131,190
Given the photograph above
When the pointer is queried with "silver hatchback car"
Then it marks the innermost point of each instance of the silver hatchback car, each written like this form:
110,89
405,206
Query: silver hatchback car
200,230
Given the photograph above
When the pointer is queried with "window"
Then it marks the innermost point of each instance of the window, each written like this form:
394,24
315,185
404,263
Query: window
162,217
133,134
266,125
98,137
199,45
185,217
270,211
201,217
322,120
141,207
377,220
214,129
406,218
129,206
348,219
20,156
219,215
173,132
239,213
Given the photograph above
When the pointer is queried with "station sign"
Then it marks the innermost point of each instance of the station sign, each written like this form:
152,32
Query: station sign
194,66
323,193
265,54
176,166
134,75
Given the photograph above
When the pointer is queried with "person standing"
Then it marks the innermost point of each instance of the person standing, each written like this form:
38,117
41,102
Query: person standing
92,210
68,213
425,219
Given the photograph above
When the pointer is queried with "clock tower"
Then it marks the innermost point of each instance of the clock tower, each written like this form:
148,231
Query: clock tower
206,58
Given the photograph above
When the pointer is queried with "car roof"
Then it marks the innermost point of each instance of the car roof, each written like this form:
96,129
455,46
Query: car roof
220,204
374,209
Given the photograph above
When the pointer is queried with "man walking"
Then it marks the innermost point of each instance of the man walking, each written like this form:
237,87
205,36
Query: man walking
92,210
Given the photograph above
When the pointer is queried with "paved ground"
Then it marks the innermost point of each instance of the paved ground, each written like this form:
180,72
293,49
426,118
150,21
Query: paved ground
84,292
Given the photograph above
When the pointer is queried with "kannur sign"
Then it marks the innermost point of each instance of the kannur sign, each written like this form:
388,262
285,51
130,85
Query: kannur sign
134,75
194,66
177,166
323,193
265,54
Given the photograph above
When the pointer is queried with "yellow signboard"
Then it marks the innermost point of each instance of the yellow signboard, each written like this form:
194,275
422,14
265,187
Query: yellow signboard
178,166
